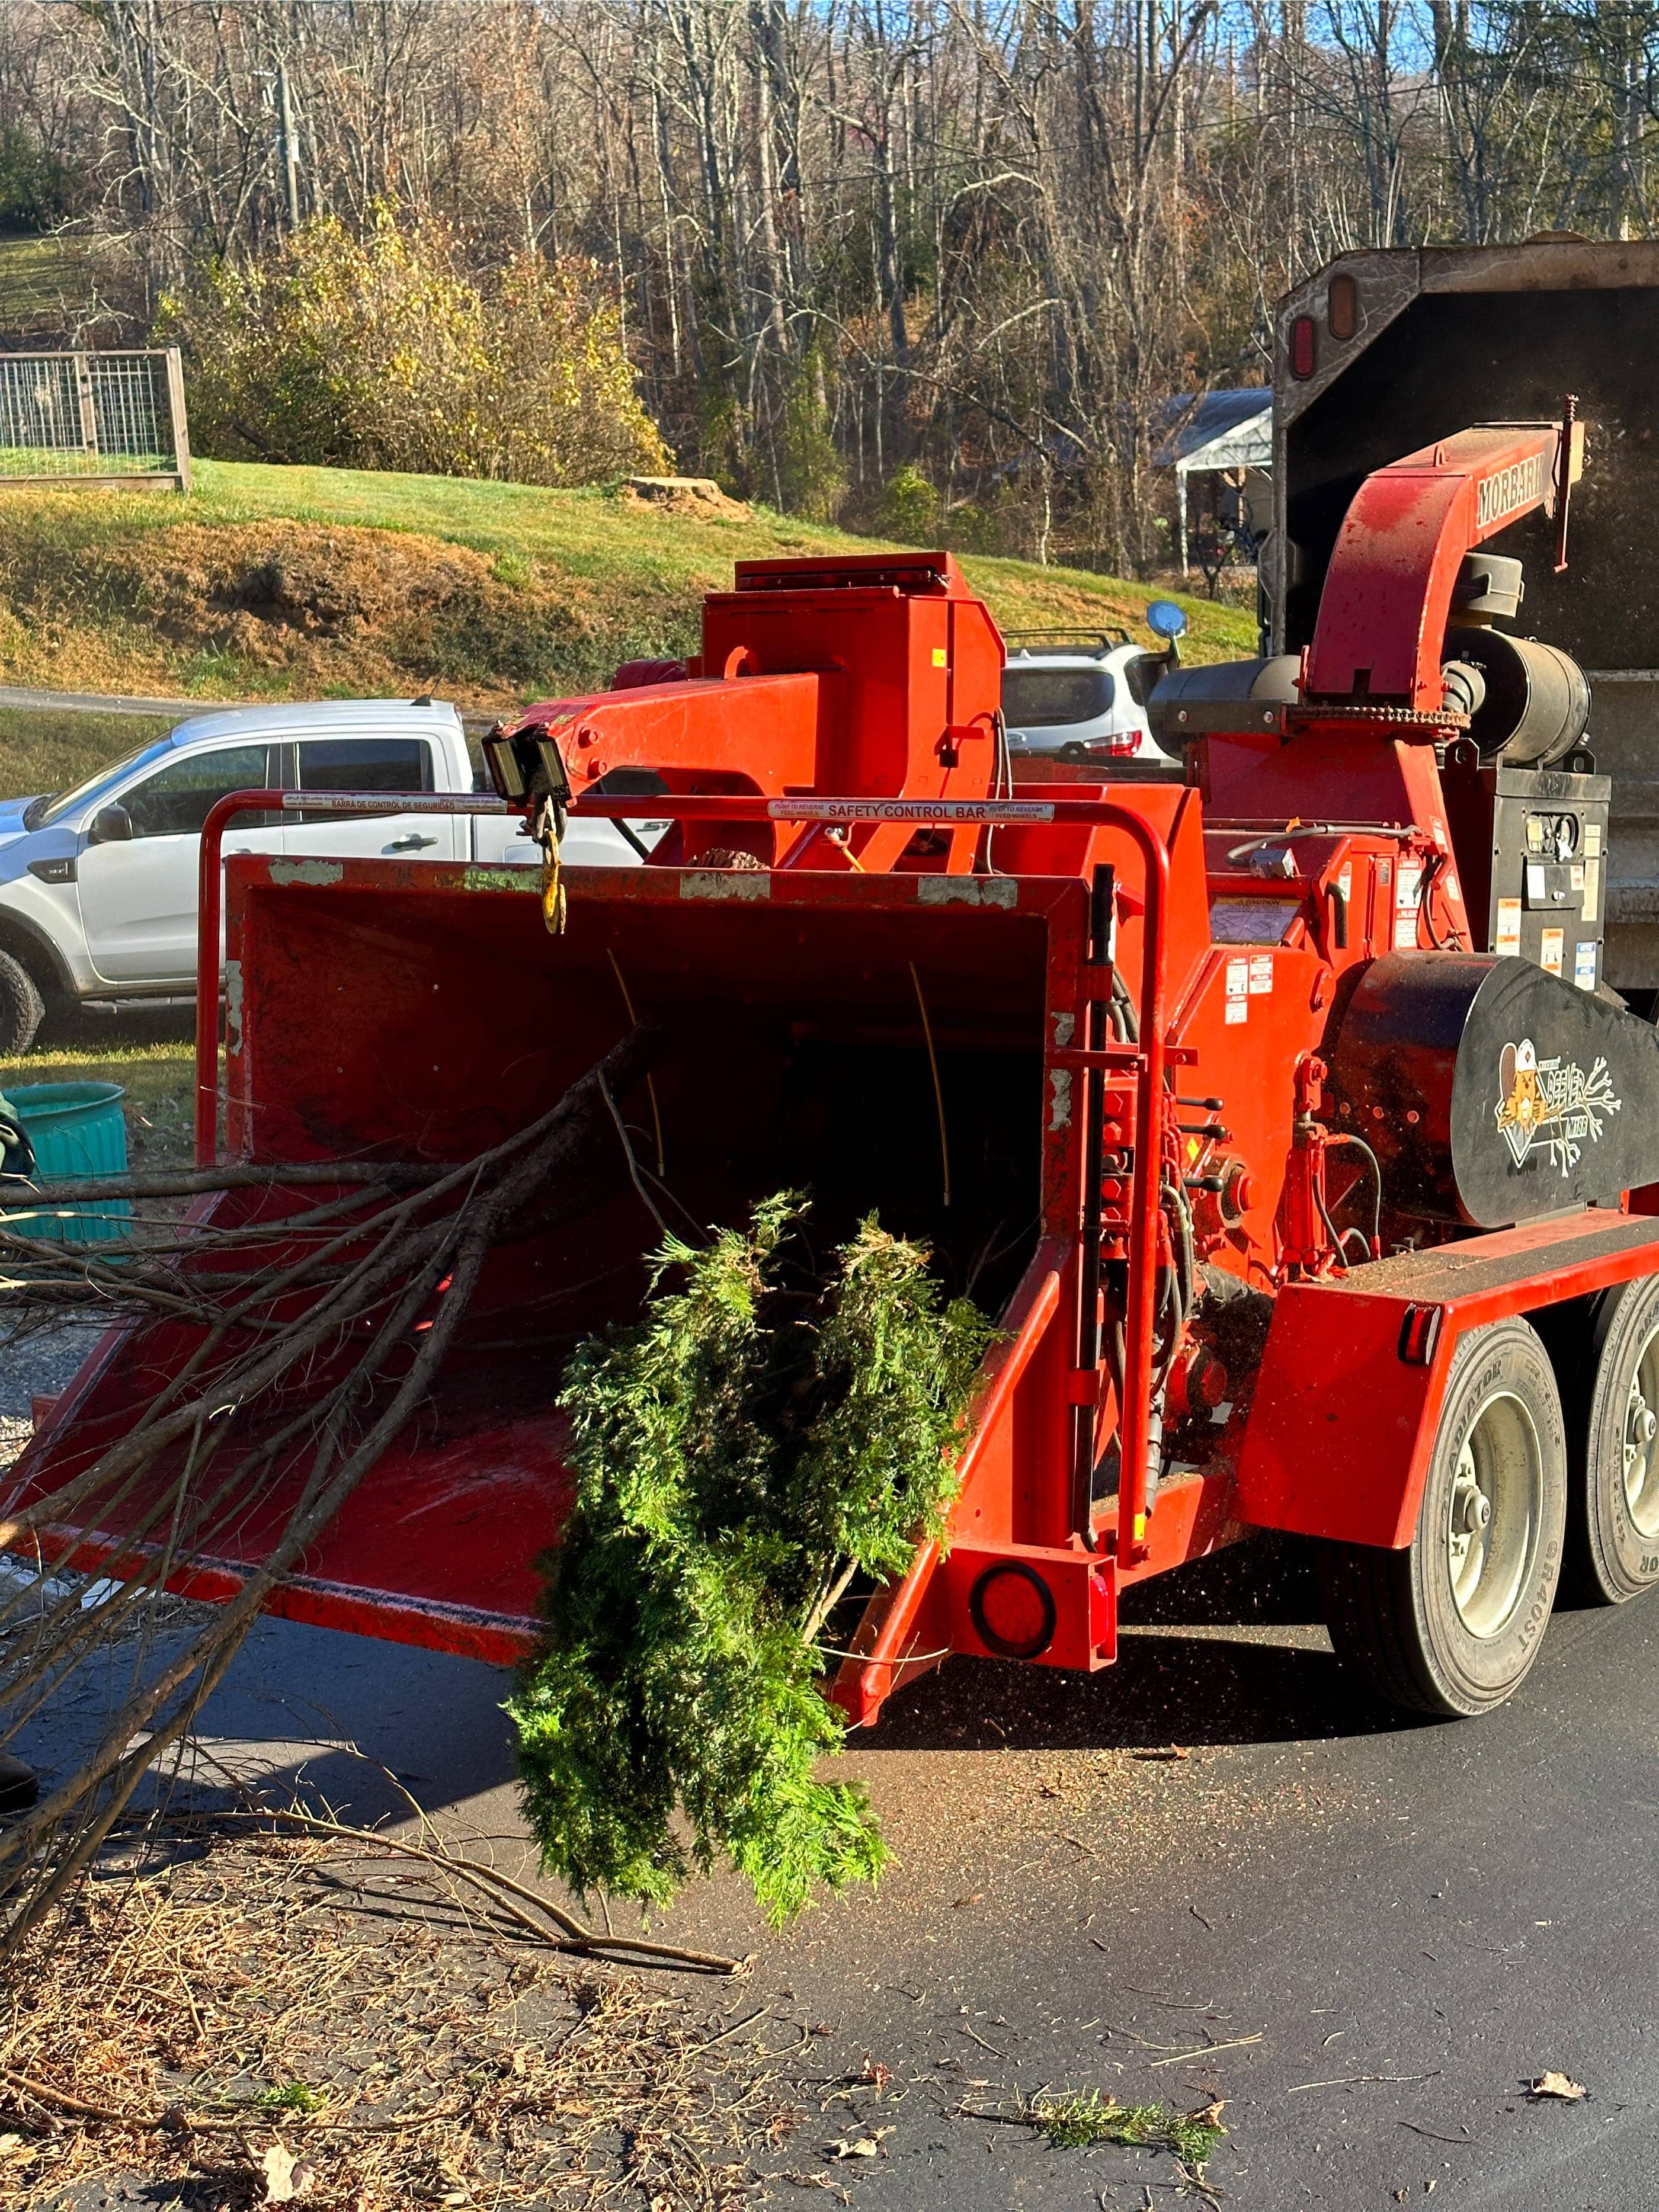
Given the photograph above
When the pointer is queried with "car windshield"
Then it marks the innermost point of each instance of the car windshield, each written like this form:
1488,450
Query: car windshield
65,802
1047,698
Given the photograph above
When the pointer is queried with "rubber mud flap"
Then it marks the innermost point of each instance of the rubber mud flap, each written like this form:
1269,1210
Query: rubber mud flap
1493,1092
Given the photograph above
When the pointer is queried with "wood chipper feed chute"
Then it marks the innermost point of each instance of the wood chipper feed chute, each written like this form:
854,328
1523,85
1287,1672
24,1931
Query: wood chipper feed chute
859,1037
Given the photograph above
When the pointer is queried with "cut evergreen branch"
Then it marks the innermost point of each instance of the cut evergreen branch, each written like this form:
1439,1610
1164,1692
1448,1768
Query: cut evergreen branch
1080,2119
760,1438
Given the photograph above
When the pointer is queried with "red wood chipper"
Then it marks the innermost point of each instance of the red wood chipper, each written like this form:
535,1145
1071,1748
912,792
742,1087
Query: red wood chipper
1305,1199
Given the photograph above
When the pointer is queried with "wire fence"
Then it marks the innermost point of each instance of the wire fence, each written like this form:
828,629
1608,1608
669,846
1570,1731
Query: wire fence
93,418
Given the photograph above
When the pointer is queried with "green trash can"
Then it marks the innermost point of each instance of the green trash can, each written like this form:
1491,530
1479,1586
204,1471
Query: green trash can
76,1129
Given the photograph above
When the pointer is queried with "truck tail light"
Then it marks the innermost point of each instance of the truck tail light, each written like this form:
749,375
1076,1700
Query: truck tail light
1304,347
1012,1610
1342,308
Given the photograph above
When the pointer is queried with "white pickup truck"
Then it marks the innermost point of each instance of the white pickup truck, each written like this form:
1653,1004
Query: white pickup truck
97,885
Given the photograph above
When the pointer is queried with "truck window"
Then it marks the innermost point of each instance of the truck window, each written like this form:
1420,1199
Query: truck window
365,764
1047,698
175,800
43,811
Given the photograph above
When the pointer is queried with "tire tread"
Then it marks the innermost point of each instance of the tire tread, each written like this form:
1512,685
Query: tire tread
1367,1592
22,1008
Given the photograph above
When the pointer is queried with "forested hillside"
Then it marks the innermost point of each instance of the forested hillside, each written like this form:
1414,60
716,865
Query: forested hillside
922,267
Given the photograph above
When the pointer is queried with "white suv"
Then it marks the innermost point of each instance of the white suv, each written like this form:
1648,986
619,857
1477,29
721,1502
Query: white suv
1068,696
97,885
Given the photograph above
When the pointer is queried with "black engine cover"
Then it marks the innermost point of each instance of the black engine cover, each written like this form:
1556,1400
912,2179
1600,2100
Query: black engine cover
1493,1092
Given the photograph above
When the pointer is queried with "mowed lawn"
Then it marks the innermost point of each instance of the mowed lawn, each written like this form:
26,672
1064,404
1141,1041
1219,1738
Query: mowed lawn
271,583
151,1057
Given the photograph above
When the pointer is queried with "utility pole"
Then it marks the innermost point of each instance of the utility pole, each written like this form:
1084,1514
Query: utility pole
290,150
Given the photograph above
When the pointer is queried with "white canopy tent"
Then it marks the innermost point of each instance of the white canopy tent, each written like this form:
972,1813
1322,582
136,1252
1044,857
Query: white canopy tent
1223,430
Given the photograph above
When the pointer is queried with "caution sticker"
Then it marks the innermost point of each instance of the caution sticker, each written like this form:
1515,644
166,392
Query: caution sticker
1262,973
1238,979
1238,1009
1592,840
1583,963
1509,926
1550,950
1592,889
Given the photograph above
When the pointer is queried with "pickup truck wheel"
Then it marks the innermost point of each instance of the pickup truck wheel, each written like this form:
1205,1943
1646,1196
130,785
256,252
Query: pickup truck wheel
1614,1518
22,1009
1451,1623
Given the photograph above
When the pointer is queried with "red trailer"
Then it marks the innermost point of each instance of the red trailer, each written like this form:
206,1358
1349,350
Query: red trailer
1302,1206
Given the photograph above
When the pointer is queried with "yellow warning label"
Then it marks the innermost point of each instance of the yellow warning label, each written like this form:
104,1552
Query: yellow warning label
940,660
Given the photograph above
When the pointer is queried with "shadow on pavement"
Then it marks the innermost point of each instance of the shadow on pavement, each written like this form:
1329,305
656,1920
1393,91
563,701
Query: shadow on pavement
1165,1689
1202,1686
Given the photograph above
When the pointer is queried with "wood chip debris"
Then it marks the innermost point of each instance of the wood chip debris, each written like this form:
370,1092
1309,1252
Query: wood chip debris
866,2145
239,2009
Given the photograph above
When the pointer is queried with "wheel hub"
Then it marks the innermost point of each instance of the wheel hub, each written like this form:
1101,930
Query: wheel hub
1641,1468
1494,1513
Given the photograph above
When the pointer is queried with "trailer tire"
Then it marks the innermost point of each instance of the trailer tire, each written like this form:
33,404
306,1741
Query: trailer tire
1612,1520
22,1009
1451,1623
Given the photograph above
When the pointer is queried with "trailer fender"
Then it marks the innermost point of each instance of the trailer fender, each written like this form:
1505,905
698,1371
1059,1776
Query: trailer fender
1340,1429
1349,1393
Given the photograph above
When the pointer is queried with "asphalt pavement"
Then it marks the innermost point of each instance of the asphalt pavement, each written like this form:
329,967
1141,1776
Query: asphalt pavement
1210,1872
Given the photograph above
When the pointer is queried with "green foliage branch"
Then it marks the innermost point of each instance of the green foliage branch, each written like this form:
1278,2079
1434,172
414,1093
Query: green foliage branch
760,1438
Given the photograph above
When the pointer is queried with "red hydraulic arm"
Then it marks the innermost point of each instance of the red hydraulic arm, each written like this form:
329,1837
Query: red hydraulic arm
1387,592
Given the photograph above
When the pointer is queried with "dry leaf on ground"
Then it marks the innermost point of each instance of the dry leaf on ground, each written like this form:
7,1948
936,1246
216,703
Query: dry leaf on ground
286,2176
1560,2086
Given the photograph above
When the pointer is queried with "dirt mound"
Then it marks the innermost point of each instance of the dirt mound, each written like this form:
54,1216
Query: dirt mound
699,498
324,607
289,594
288,577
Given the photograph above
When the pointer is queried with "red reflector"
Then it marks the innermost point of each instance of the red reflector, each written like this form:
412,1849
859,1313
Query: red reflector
1419,1332
1012,1610
1303,347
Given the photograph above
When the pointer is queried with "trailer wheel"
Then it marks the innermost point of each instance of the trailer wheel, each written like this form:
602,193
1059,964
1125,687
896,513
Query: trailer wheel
22,1009
1452,1623
1613,1518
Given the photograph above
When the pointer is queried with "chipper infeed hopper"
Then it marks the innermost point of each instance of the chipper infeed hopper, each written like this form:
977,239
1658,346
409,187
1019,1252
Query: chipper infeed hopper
1212,1093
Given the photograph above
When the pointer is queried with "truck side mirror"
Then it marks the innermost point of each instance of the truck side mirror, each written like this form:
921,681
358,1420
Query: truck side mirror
110,825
